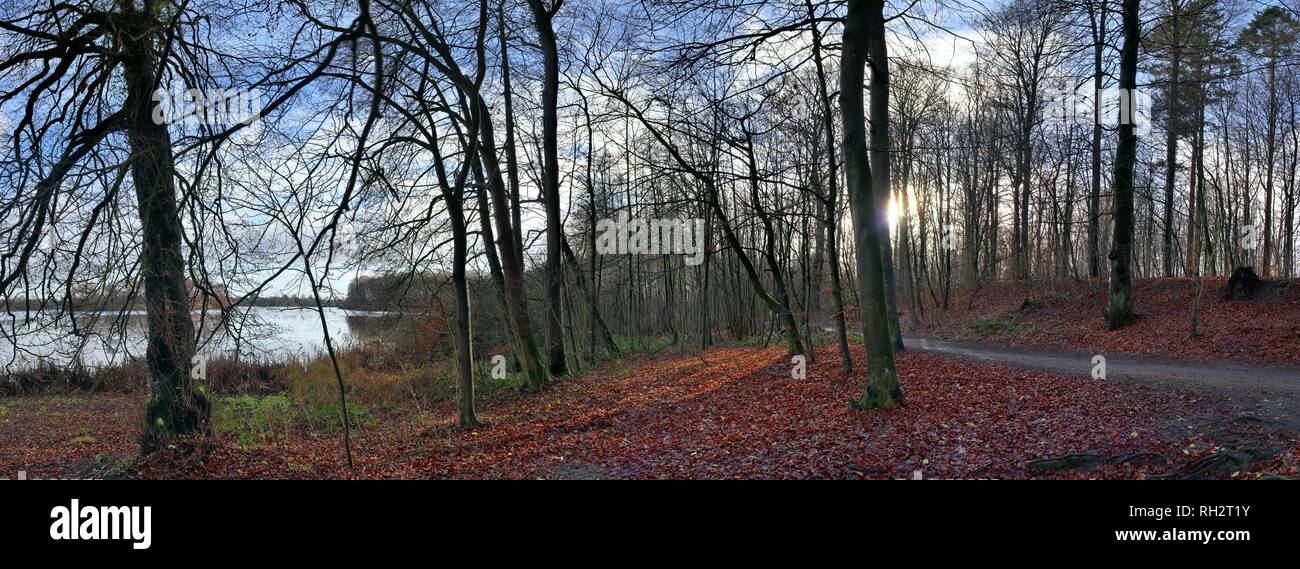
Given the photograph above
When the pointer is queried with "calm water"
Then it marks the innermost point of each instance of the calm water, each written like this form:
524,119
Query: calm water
101,338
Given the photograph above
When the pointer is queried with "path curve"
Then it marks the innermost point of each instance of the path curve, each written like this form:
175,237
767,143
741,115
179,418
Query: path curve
1269,391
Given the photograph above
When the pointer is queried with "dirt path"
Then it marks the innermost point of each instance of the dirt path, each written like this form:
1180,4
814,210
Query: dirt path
1266,391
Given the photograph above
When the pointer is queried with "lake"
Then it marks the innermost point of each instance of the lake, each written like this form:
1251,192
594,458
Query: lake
98,339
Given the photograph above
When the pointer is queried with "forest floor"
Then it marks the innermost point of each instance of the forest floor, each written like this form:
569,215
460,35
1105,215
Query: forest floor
731,412
1068,315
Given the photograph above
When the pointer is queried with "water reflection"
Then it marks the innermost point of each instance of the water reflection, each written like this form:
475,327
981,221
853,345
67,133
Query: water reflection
97,339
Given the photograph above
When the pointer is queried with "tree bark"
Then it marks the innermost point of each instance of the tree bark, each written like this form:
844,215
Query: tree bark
1270,150
864,29
512,158
879,168
178,405
831,200
1120,310
542,17
1171,143
1094,195
535,375
453,194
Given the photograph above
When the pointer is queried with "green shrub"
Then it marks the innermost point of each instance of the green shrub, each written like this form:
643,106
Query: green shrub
993,325
330,417
257,420
113,467
251,419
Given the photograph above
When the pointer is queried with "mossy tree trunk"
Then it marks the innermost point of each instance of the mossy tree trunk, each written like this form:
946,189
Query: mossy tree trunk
178,405
864,32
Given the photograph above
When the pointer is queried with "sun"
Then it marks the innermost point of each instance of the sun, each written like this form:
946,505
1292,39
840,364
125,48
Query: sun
895,213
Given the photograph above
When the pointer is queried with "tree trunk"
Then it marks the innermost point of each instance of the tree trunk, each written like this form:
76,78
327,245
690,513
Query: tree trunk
1120,311
864,29
542,17
178,405
1094,196
465,416
832,198
454,195
512,158
1195,199
1270,150
1171,149
535,375
879,169
706,330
